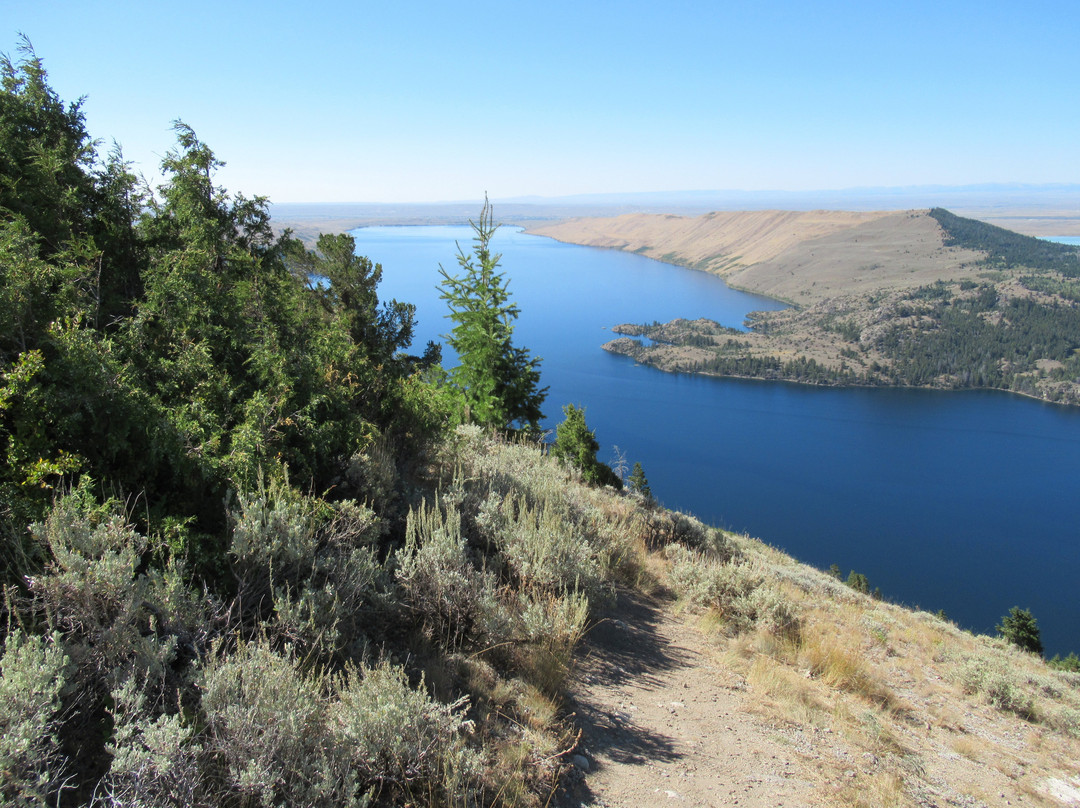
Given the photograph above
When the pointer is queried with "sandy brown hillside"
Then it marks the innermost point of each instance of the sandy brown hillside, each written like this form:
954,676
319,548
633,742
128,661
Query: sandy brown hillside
797,256
896,251
716,241
854,279
801,257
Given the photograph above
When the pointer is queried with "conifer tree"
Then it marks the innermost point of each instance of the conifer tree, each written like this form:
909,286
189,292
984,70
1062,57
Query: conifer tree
498,382
1021,628
638,482
576,444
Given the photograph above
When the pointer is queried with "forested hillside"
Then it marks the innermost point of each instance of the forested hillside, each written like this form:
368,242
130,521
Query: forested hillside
1005,248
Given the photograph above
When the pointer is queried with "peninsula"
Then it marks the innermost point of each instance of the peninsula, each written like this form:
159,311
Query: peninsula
919,298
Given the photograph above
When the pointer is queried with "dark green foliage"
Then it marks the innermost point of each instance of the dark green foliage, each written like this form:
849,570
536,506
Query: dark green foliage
46,156
638,482
173,346
1021,629
729,357
576,444
982,341
348,293
1069,663
497,382
211,445
858,582
938,290
1050,285
848,329
1006,248
945,334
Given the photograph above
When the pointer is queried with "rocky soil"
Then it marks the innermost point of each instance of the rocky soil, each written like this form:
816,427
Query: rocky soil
666,719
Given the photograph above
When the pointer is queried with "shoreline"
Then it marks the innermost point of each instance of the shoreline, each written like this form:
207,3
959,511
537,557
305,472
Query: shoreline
860,301
838,385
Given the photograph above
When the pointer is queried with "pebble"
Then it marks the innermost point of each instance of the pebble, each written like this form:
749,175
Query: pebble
580,762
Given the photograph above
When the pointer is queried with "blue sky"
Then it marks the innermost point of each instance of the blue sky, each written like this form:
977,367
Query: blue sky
425,101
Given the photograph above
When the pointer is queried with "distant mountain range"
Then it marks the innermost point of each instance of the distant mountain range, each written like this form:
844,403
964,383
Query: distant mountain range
986,195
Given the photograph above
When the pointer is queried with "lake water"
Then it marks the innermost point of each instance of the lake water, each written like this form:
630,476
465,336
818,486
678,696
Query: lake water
962,501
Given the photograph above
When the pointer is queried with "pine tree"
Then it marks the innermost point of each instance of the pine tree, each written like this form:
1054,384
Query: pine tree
638,481
858,582
576,444
1021,628
498,382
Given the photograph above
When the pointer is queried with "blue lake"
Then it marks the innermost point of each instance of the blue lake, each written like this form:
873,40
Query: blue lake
962,501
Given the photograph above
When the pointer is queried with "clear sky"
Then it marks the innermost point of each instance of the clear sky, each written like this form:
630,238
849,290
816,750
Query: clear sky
399,101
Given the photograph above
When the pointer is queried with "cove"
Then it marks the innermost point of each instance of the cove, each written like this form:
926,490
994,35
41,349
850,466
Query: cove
962,501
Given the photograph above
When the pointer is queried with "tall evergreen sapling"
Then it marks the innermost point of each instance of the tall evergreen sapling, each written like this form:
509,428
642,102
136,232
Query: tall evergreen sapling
497,382
639,482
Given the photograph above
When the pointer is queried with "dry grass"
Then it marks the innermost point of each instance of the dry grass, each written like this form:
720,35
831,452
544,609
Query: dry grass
969,747
795,696
946,716
924,712
882,790
831,657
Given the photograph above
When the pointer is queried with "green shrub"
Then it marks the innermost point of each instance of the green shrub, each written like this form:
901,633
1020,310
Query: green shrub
308,565
550,628
996,683
438,580
267,725
95,558
155,761
858,582
1070,663
1021,629
114,616
397,735
373,474
639,483
33,671
1065,719
576,445
547,551
738,591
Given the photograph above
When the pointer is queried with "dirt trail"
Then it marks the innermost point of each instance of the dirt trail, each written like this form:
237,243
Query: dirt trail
663,724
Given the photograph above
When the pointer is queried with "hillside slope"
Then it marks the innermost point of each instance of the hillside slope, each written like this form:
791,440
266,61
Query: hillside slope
801,257
911,298
715,241
870,705
900,250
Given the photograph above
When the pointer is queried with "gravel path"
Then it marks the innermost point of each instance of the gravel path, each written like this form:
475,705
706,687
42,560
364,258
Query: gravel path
662,724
